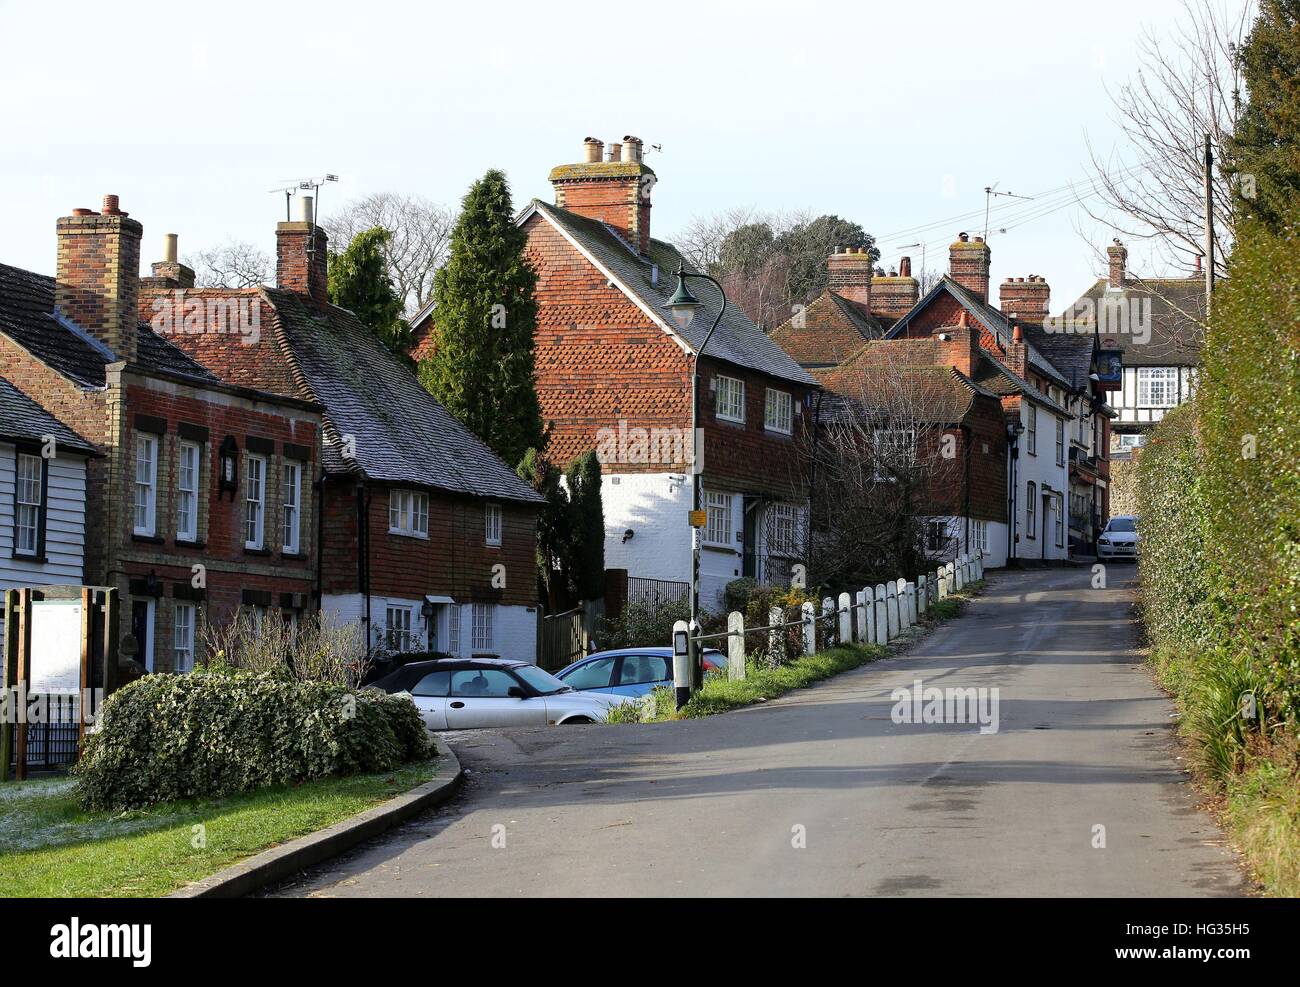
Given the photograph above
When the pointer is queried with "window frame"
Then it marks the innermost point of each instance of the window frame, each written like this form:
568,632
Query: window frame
150,505
492,524
453,629
1031,510
716,501
400,635
259,504
771,425
1167,381
190,533
1031,430
408,506
40,506
722,411
287,488
782,520
487,624
1060,522
184,606
1060,439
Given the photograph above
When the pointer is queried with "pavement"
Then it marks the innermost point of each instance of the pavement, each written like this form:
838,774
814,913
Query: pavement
1079,792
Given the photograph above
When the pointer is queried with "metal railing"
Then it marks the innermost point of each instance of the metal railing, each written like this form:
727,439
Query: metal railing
656,592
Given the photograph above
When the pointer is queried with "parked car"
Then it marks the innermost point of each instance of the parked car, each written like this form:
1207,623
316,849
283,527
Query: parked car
1119,539
468,693
629,672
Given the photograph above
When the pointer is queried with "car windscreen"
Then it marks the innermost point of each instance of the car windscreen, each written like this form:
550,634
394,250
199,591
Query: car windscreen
540,681
1121,524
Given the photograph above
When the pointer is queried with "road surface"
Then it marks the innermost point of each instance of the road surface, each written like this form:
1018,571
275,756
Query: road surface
822,793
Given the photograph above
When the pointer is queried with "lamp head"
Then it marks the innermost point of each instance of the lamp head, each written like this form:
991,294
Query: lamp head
683,304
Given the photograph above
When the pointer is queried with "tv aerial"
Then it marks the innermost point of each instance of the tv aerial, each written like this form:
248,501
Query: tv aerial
292,186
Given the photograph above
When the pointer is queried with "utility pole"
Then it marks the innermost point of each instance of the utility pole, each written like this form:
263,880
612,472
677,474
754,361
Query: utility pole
1209,225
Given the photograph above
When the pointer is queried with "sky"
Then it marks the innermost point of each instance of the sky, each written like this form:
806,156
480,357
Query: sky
894,115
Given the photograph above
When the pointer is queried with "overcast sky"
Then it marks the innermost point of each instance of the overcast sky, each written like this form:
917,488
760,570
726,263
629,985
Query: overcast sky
895,115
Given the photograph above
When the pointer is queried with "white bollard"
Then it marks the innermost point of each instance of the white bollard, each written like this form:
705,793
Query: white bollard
868,599
905,619
940,585
828,620
860,617
891,608
736,645
960,573
846,619
809,628
922,604
912,616
950,577
882,615
775,637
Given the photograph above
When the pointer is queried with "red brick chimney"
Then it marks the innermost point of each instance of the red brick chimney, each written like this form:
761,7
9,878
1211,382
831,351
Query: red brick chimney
1017,353
1117,253
893,295
300,254
968,265
98,283
961,344
615,191
851,274
1025,298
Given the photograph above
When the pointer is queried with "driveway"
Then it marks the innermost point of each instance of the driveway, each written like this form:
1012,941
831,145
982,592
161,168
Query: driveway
822,793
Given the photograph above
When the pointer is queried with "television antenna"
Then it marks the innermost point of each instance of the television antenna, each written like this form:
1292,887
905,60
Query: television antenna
293,186
989,192
913,246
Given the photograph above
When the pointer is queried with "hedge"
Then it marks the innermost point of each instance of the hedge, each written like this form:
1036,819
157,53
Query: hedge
167,737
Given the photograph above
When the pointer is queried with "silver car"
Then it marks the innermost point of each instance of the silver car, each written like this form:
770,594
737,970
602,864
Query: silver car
1119,540
470,693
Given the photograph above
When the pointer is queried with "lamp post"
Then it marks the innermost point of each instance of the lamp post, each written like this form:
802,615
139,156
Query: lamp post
1013,442
683,306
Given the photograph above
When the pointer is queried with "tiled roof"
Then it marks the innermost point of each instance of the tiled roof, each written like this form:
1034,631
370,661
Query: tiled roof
992,374
737,340
400,433
1177,309
22,418
935,394
27,316
991,318
831,328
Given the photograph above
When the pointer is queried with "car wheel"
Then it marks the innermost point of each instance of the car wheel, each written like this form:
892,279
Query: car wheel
577,719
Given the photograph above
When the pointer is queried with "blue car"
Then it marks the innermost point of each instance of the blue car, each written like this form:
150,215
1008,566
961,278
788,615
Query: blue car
630,672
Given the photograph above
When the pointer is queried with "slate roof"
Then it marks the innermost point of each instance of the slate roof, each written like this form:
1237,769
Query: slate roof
1176,305
994,375
737,339
23,419
400,433
28,317
833,328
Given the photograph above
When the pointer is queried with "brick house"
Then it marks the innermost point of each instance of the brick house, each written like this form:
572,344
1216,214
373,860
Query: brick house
428,539
180,543
614,375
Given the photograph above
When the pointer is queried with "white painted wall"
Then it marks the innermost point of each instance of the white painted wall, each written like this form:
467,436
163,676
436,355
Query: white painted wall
1125,400
514,628
994,548
1043,470
65,524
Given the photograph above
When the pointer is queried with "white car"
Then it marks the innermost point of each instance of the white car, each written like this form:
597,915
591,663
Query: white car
469,693
1119,540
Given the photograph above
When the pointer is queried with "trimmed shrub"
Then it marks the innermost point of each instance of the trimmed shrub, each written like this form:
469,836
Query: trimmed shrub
168,737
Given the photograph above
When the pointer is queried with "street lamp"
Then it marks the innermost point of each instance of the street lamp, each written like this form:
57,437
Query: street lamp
683,305
1013,445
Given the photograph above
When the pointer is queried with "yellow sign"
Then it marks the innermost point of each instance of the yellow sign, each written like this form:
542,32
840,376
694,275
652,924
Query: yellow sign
698,518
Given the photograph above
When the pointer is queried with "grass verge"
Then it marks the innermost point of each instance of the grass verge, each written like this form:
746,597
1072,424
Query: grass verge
50,847
1253,779
720,694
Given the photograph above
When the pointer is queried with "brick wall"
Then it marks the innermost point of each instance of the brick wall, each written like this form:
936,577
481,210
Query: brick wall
453,561
98,274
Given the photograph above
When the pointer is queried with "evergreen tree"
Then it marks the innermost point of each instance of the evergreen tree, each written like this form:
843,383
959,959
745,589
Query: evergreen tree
482,365
359,282
1264,152
586,527
552,525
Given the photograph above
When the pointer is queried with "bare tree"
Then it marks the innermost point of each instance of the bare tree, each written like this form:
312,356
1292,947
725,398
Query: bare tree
421,237
885,473
1188,87
232,264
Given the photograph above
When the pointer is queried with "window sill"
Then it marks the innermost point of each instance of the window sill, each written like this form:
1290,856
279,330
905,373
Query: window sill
263,552
778,432
491,544
729,421
408,534
25,557
148,539
190,543
293,556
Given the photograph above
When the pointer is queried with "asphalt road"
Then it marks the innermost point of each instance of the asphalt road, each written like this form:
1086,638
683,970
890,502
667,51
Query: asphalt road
718,806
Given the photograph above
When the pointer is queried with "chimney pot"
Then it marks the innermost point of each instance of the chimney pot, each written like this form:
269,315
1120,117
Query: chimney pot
305,209
82,211
905,267
615,151
632,149
963,237
111,206
591,149
169,248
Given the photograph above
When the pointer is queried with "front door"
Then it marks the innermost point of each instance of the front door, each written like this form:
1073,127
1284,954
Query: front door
142,630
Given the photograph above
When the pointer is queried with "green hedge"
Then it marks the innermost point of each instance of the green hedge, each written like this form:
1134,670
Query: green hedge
167,737
1219,499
